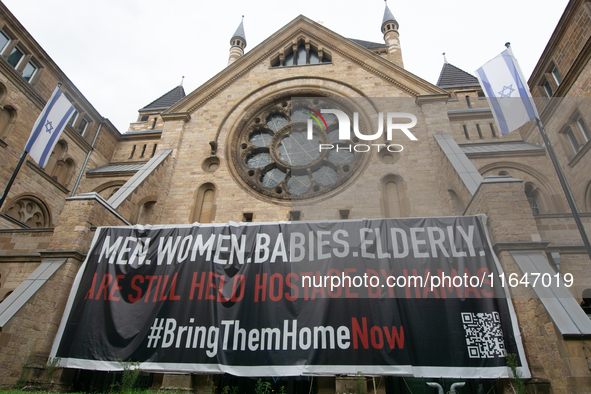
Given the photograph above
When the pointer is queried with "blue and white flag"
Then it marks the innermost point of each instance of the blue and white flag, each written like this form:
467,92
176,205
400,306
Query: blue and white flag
50,124
507,92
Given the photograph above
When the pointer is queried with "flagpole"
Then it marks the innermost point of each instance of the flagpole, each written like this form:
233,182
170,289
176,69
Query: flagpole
57,110
11,181
567,192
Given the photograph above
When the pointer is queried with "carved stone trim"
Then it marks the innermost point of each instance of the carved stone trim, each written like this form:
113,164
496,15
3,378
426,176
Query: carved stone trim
69,254
184,116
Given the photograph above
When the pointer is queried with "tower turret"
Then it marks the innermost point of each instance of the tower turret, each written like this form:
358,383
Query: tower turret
391,37
237,43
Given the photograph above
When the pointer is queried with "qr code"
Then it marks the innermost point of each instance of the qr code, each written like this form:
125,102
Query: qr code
484,335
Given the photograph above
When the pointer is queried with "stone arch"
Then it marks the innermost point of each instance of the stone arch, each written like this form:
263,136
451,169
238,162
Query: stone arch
204,208
266,94
59,153
535,198
395,204
8,117
548,199
146,207
30,210
237,118
3,93
63,171
106,190
456,205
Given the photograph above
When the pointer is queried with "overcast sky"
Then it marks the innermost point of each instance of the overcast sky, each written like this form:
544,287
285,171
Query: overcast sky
123,54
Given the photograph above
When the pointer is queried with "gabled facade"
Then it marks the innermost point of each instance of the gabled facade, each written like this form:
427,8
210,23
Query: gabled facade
214,156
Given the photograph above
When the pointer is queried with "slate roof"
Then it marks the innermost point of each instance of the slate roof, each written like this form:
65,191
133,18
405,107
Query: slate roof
240,31
501,147
167,100
388,16
116,168
367,44
452,76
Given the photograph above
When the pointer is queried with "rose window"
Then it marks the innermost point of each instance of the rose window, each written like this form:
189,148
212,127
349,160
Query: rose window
275,155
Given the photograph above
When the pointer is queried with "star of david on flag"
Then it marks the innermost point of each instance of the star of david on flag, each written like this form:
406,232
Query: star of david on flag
48,127
507,92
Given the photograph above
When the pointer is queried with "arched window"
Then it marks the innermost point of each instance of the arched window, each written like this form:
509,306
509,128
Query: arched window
60,167
394,197
534,198
302,56
7,120
58,153
204,210
31,211
63,171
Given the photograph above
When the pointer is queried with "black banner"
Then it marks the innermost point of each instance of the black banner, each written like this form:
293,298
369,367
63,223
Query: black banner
417,296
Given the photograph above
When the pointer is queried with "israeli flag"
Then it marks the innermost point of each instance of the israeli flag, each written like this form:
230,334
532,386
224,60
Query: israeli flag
48,128
507,92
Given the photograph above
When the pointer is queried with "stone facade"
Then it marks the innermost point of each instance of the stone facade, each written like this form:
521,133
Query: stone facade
521,195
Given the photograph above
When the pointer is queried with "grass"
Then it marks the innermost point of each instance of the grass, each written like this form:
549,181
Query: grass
53,392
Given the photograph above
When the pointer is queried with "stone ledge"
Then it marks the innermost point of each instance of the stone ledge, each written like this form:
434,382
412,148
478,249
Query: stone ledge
507,246
21,258
24,230
184,116
69,254
431,98
568,249
98,198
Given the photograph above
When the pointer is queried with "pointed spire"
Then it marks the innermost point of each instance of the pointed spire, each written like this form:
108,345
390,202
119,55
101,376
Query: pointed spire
388,17
444,58
182,80
240,31
237,43
391,37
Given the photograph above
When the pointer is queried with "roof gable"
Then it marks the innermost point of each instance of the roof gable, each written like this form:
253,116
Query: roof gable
166,100
302,26
452,76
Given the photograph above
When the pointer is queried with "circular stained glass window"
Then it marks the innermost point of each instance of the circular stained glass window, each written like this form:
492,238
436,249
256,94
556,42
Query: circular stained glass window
293,153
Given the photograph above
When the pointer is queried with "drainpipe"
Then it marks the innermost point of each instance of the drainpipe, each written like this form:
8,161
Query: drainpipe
86,161
455,386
